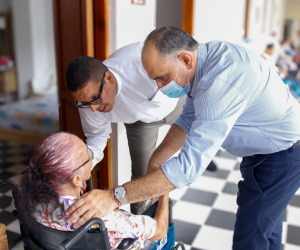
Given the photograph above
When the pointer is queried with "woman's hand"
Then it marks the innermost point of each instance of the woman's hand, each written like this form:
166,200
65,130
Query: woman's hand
96,203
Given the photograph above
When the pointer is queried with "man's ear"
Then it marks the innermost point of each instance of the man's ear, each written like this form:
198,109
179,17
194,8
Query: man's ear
187,58
109,77
77,181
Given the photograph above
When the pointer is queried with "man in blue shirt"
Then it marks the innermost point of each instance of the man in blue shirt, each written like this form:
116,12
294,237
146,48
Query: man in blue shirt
234,101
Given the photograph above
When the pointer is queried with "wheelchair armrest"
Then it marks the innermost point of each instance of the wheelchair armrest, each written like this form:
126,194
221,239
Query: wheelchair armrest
126,243
68,243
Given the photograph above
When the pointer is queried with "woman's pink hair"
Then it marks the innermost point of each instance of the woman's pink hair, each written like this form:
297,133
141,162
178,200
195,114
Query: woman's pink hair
57,158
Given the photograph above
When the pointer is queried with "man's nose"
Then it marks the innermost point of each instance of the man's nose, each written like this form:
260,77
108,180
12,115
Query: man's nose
94,107
160,84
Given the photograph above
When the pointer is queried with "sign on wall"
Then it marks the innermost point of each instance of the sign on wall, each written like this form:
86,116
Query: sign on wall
139,2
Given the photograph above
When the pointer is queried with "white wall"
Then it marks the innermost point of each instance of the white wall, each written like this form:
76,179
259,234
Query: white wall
42,32
34,41
130,23
219,20
256,11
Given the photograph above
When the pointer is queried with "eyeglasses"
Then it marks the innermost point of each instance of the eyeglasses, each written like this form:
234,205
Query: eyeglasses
91,155
95,101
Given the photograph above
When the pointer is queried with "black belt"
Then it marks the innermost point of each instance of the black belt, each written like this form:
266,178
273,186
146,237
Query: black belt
296,145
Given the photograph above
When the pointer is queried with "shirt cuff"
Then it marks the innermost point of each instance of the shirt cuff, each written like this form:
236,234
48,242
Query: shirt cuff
181,123
174,173
97,158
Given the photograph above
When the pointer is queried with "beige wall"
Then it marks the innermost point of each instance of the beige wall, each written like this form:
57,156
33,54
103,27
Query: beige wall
292,10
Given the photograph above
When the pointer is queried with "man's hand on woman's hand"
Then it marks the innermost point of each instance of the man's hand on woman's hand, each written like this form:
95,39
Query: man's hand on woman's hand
96,203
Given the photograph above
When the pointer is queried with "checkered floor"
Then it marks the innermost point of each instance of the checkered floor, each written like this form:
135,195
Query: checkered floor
13,160
204,213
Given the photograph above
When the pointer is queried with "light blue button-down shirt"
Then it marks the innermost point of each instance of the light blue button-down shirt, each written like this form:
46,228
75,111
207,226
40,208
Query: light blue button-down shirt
237,103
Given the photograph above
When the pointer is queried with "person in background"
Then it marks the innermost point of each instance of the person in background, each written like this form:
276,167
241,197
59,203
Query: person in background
267,55
270,49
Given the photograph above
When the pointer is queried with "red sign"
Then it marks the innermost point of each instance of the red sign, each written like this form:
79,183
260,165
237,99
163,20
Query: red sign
138,2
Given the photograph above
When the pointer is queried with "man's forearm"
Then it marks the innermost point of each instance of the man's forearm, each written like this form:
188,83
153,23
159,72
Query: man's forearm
152,185
173,141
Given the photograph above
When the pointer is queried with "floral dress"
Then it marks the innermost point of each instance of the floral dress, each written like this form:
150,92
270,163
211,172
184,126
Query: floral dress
120,224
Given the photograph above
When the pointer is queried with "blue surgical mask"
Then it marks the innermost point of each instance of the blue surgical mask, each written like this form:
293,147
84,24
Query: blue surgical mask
173,90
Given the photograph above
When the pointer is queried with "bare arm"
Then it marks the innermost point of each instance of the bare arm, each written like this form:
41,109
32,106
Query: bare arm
173,141
154,184
162,218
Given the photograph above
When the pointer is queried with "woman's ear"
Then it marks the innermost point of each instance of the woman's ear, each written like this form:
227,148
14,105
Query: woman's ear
77,181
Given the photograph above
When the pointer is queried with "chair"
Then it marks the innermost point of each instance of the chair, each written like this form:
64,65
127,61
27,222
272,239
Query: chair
83,237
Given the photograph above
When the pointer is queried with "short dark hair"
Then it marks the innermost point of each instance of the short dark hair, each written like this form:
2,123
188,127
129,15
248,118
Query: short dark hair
270,46
83,70
169,40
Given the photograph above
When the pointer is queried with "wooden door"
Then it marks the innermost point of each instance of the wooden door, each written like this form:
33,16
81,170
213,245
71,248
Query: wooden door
101,52
188,16
74,37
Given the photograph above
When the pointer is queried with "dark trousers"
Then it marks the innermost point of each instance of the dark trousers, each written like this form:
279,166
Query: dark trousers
270,182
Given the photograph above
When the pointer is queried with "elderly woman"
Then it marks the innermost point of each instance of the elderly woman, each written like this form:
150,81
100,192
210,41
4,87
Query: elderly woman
58,171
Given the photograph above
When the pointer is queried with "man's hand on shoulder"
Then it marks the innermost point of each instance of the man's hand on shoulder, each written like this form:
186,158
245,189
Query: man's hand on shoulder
96,203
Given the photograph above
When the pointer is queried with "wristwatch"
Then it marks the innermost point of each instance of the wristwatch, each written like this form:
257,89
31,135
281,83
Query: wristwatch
120,195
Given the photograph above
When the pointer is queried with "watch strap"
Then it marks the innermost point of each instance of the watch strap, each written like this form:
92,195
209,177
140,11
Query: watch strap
115,198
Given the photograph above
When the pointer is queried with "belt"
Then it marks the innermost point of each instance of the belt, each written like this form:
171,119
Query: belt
296,145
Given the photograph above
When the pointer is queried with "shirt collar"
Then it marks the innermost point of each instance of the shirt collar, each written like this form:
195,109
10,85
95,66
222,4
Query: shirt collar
201,59
116,75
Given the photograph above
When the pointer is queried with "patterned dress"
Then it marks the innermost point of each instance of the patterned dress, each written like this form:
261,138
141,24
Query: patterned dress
120,224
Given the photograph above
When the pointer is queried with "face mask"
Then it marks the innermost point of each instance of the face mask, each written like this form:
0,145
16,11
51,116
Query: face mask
173,90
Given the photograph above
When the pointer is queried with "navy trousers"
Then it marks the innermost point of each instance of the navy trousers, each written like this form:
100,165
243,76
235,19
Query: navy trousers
270,182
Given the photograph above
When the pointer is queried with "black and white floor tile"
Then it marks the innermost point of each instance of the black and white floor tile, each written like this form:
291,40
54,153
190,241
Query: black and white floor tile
204,213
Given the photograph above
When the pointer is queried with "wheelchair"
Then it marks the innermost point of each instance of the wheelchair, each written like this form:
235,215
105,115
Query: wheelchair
83,238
